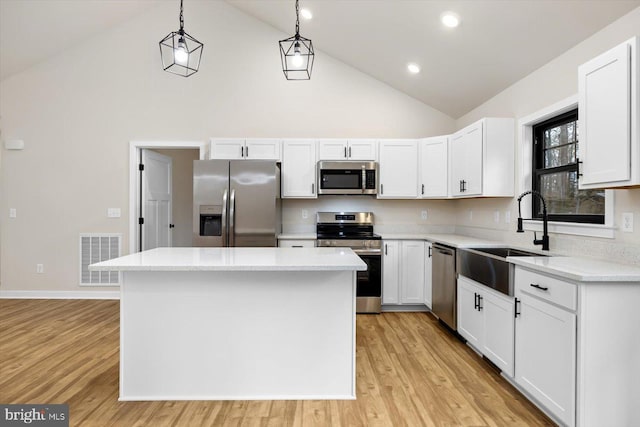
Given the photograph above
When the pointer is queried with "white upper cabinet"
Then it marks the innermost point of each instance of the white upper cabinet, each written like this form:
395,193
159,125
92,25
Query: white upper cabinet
299,169
433,167
608,116
233,148
482,159
343,149
398,168
227,149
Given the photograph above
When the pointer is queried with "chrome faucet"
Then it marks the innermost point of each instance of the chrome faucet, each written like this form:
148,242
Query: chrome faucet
545,219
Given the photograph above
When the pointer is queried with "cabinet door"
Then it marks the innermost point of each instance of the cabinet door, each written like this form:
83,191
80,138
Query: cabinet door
428,279
299,169
546,355
332,149
362,149
390,272
605,117
499,327
262,149
398,169
433,167
412,272
227,149
466,162
470,322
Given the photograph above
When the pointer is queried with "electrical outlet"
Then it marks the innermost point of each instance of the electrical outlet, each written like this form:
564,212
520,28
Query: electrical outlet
423,215
507,217
496,217
305,214
113,212
39,268
627,222
12,213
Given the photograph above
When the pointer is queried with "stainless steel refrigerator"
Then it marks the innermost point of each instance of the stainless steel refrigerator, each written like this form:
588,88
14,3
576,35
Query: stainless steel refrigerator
236,203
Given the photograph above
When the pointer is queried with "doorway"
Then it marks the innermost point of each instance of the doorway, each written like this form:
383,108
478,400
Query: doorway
160,196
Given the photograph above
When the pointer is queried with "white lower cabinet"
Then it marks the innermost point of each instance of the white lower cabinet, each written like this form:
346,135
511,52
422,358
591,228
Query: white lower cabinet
403,272
428,280
546,355
486,321
299,243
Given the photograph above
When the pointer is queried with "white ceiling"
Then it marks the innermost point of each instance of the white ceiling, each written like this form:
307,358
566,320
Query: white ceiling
497,43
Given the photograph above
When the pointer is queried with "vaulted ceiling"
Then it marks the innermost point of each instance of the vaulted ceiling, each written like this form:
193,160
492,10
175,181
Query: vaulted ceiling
497,43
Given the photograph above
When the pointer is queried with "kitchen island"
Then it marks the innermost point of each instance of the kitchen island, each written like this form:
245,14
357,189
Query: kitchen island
237,323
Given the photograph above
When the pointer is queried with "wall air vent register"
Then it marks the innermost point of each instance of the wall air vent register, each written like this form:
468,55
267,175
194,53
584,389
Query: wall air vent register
96,248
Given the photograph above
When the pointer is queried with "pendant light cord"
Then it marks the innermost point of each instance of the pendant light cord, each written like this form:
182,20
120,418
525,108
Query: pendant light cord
181,19
297,20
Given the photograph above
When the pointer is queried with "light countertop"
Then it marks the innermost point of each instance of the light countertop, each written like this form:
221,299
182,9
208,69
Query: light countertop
296,236
454,240
235,259
581,269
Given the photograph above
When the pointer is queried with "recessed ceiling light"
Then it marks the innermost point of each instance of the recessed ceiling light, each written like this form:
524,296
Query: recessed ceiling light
450,19
413,68
306,14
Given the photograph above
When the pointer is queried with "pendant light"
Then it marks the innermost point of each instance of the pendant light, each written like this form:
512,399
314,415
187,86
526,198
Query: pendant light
180,52
296,54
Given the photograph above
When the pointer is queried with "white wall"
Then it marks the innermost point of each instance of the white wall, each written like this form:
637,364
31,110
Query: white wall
551,83
78,111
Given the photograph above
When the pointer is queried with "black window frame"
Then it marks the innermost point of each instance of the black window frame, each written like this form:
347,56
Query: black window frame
539,170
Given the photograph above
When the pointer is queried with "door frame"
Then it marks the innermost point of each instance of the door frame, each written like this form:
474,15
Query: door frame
135,148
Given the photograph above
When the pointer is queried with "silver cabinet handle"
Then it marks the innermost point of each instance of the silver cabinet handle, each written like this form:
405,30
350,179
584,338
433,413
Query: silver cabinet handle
232,219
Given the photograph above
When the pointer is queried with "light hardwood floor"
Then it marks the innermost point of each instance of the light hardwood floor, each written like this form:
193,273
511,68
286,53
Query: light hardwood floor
410,372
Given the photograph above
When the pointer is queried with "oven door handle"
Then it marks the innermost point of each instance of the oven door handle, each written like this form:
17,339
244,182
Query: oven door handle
368,252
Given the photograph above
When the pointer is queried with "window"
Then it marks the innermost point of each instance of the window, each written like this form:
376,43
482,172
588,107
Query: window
555,173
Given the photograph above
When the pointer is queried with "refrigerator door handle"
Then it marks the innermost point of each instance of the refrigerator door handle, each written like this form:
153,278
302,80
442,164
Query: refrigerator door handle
232,219
224,218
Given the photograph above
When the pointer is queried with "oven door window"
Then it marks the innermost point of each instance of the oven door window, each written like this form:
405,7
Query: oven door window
349,179
370,282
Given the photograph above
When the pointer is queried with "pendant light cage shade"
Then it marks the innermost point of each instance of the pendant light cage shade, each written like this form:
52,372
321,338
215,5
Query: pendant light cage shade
180,53
297,56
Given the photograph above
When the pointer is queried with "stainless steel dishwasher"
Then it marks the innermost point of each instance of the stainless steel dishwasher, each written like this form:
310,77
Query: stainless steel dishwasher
444,285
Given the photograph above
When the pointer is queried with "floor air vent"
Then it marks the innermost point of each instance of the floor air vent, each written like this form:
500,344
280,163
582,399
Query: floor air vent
95,248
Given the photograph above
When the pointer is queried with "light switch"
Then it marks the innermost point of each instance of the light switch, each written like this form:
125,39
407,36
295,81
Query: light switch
13,213
113,212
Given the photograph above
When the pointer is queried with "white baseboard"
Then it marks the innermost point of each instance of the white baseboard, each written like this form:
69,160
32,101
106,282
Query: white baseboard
6,294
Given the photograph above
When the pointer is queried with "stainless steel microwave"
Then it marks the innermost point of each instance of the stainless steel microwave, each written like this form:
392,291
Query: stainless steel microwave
347,177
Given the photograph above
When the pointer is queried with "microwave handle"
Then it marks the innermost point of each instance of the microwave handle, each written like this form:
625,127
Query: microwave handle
364,180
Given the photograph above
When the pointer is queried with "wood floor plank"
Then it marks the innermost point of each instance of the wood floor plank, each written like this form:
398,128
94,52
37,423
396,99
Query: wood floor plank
410,372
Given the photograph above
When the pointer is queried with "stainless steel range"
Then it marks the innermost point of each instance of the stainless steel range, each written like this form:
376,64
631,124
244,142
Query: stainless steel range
355,230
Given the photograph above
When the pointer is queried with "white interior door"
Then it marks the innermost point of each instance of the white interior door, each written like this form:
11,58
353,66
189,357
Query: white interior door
156,201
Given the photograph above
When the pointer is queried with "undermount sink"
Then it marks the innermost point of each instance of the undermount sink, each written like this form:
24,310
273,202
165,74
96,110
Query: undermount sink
489,266
505,252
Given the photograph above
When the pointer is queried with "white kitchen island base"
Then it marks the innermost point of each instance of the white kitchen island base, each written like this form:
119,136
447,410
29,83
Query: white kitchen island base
218,335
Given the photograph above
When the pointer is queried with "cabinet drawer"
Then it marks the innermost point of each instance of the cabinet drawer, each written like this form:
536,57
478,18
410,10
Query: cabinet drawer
296,243
547,288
